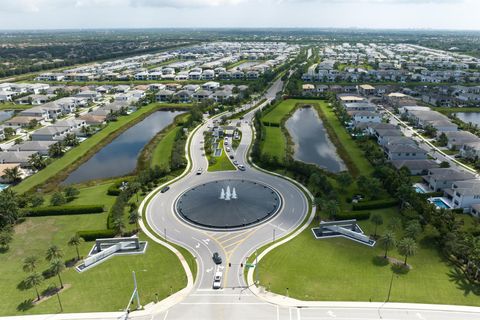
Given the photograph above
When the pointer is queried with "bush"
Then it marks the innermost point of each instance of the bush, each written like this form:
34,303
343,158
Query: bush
63,210
113,190
375,204
348,215
92,235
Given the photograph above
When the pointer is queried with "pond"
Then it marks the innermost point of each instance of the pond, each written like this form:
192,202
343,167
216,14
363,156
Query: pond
119,157
473,117
312,144
5,115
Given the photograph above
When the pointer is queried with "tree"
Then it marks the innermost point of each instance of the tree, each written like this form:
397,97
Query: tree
377,220
5,238
12,175
118,225
37,162
75,241
53,253
58,199
344,179
70,140
34,280
407,247
57,266
30,264
36,200
413,229
9,209
56,150
71,192
387,242
442,139
394,224
133,218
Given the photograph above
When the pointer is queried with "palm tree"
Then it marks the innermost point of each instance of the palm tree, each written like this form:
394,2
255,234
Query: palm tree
70,140
118,225
133,217
30,264
57,267
37,162
34,280
55,150
53,253
376,220
75,241
387,242
407,247
344,179
13,175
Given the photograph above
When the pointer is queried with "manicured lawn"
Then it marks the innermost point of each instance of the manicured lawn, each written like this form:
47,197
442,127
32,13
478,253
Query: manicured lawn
163,151
13,106
277,114
275,143
455,110
106,287
348,150
223,162
70,158
342,270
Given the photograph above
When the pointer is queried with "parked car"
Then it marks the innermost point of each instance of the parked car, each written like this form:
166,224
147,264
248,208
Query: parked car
217,280
241,167
216,258
235,162
199,171
231,156
165,189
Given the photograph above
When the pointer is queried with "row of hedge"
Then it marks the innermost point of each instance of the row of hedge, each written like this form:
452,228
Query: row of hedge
375,204
92,235
63,210
349,215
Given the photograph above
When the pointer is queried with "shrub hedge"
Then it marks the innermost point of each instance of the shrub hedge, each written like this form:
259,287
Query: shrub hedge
375,204
359,215
92,235
113,190
63,210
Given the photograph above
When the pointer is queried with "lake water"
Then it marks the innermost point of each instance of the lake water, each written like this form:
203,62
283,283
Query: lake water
473,117
312,144
120,156
5,115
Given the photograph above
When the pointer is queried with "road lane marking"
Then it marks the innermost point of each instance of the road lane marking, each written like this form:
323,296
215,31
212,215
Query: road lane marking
166,315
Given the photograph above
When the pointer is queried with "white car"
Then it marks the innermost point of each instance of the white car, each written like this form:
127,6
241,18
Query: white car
199,171
217,280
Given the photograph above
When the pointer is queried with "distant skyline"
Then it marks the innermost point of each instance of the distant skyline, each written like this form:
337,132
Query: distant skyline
371,14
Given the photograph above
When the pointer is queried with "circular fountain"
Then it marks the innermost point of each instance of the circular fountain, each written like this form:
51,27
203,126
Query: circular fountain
228,204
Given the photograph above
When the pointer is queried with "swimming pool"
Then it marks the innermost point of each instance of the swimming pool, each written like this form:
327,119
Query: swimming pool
440,203
3,186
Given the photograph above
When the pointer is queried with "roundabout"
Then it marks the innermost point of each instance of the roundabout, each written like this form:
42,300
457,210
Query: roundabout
228,204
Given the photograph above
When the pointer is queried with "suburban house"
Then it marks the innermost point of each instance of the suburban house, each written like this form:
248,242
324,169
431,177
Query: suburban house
50,133
456,139
470,150
21,157
464,194
40,147
416,167
365,116
22,121
404,152
164,95
439,179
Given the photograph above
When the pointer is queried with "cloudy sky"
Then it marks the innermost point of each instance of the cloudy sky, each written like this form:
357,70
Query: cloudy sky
416,14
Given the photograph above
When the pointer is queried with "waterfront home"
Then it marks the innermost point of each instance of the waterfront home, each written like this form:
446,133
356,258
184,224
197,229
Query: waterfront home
439,179
416,167
50,133
164,95
464,194
21,157
40,147
404,152
456,139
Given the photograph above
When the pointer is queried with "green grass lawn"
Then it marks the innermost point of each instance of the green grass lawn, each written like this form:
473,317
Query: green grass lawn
342,270
277,114
13,106
222,163
106,287
447,110
163,151
75,155
274,143
348,150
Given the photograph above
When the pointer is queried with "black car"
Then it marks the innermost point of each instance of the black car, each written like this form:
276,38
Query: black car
165,189
216,258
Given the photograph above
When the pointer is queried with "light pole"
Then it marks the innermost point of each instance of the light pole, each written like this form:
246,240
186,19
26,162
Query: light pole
135,292
273,235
